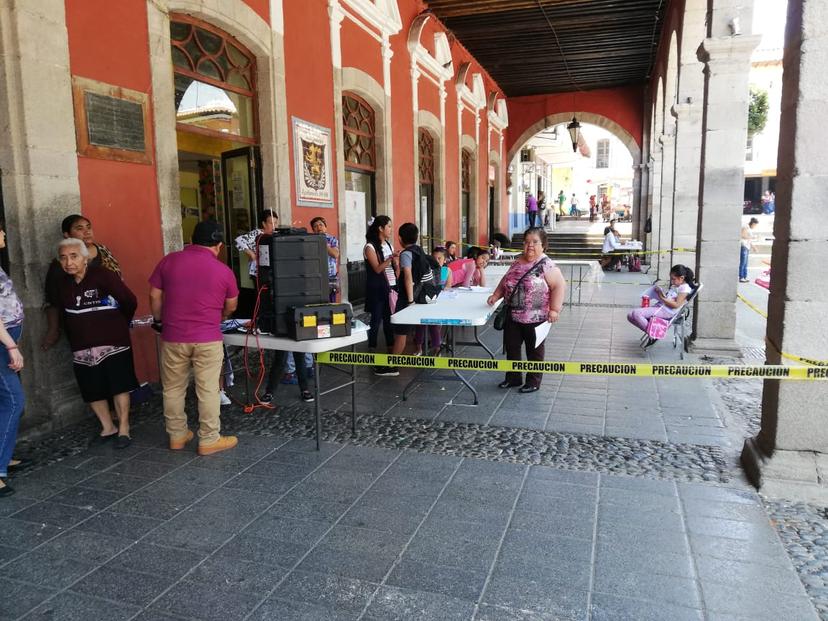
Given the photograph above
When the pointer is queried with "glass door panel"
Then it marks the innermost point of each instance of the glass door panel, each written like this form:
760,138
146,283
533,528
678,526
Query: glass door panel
242,192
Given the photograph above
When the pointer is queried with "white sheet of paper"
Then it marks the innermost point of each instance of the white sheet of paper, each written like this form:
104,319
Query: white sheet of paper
541,332
478,289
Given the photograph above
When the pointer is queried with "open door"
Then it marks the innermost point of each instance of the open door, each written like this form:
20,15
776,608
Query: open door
242,182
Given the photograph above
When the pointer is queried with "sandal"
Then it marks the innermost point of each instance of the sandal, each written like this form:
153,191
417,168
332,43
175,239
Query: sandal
507,384
122,442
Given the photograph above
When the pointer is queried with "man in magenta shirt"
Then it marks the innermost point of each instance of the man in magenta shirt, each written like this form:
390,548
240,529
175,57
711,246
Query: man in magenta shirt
191,291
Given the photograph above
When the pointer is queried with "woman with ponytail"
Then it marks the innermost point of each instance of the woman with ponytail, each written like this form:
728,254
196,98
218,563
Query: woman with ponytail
664,303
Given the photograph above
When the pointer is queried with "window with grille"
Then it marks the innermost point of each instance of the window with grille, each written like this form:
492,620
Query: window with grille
359,133
602,154
465,170
215,80
426,150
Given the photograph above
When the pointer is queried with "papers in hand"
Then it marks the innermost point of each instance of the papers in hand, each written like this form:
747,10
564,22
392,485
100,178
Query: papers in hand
541,333
477,289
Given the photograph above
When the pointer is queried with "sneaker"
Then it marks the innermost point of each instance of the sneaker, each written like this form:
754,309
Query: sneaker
386,371
419,352
650,341
179,443
266,398
744,280
289,378
307,396
223,398
222,444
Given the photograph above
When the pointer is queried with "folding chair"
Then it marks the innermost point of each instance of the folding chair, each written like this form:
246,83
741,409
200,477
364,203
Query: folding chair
679,322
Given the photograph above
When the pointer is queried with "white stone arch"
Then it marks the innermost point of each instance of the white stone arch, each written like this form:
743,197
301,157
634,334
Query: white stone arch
440,64
670,86
362,84
659,109
266,43
469,143
428,121
583,117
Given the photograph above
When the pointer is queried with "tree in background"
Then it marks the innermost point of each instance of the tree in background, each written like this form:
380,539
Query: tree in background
758,110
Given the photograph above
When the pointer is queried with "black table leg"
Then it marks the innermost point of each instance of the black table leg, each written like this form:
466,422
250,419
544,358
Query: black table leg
317,406
353,394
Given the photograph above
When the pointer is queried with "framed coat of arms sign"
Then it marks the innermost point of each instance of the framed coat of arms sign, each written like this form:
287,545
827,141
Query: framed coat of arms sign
313,157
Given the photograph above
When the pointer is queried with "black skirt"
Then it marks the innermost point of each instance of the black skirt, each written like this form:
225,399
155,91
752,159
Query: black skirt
112,376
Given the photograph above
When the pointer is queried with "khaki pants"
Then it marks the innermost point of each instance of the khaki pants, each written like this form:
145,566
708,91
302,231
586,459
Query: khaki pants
205,359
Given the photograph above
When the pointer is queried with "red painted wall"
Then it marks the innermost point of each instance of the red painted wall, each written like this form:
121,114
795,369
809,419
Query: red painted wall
622,105
429,97
309,86
120,198
361,50
262,7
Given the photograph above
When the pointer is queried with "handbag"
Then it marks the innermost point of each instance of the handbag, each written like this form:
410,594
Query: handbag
502,313
657,327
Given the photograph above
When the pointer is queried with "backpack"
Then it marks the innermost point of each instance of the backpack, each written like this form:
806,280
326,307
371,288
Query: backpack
635,264
426,274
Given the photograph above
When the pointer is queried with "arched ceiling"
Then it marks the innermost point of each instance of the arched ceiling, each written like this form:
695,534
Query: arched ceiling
605,43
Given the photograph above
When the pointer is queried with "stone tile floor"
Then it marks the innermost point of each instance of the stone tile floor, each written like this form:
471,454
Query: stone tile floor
277,530
596,498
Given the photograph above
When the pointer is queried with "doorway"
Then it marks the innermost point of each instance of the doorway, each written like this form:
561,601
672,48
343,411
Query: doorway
217,135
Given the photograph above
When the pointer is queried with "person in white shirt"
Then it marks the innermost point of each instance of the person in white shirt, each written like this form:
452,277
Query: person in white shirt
612,257
747,239
665,303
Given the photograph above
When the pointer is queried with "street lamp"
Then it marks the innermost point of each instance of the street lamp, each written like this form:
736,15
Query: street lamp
574,128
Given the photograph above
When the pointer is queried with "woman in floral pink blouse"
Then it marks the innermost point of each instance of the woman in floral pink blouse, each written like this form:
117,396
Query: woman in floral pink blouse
533,288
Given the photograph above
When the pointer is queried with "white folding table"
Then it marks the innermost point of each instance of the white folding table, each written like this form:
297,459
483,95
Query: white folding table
359,334
495,272
454,308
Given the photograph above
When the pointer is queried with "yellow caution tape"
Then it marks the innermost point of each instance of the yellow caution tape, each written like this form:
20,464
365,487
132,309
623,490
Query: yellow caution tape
577,368
787,356
752,306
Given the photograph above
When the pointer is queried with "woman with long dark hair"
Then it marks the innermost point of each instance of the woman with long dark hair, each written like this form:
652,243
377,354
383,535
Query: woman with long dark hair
665,304
382,270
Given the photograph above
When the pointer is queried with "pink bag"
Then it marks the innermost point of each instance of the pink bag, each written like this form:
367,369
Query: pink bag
657,327
392,300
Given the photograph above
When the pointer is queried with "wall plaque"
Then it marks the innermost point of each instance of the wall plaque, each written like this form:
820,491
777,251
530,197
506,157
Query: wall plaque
111,122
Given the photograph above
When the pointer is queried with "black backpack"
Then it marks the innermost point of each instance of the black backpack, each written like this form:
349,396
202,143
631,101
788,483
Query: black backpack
426,274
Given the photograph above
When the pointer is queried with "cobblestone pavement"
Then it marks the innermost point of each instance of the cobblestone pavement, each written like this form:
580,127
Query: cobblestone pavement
593,499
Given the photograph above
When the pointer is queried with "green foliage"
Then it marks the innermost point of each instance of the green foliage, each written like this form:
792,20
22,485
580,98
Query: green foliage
758,110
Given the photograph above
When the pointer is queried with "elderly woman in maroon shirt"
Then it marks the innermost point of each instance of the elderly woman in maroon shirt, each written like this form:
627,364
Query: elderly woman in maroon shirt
97,308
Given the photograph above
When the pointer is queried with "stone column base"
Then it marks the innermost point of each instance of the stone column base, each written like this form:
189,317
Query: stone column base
800,476
716,347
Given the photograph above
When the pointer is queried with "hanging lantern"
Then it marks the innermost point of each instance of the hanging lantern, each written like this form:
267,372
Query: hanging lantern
574,129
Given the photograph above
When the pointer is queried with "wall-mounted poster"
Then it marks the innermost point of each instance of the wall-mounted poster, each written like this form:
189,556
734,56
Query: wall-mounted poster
312,154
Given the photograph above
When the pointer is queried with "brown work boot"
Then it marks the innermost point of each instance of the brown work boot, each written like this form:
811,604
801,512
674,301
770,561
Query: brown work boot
176,444
222,444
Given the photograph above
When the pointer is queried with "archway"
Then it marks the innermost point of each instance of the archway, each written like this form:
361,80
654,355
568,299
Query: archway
534,177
